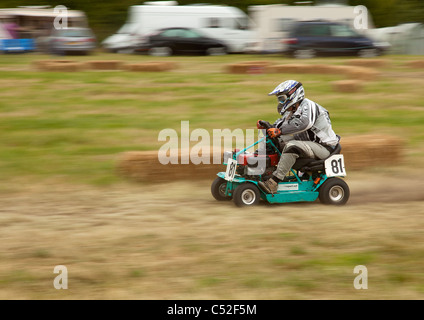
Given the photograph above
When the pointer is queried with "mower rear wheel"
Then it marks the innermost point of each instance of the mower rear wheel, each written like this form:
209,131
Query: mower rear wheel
334,191
218,188
246,194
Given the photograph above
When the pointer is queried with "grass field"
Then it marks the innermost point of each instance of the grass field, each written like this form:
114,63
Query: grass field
63,203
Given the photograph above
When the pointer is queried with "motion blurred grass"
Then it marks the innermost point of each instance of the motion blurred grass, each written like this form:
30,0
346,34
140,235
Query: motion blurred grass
71,125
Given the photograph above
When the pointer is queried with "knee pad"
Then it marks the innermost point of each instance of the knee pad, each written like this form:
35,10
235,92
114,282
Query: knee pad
294,149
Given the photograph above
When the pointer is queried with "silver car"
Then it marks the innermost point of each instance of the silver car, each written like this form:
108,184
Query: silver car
72,40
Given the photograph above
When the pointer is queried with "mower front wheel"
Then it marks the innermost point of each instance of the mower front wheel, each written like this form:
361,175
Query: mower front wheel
246,194
218,188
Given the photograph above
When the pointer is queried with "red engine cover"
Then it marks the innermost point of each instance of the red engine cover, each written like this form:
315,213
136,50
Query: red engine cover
242,159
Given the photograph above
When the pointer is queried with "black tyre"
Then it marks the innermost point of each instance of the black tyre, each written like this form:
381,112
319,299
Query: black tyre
246,194
218,189
334,191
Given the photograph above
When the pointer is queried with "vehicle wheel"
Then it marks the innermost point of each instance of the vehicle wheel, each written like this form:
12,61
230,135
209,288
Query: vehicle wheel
246,194
334,191
218,189
219,51
125,51
304,54
368,53
160,51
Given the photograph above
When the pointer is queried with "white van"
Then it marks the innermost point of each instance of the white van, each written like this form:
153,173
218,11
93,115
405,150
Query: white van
273,22
225,23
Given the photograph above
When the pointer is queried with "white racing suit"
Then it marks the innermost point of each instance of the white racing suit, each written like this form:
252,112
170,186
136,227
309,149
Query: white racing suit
306,133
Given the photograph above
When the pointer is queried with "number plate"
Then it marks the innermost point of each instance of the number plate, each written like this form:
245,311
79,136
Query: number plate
335,167
231,169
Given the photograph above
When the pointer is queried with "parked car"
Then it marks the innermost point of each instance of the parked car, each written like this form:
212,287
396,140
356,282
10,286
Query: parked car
224,22
71,40
184,41
314,38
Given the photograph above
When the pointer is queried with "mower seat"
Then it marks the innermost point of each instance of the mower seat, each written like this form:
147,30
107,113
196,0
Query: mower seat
308,165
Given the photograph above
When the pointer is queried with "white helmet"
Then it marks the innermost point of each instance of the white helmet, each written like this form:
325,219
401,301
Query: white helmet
288,93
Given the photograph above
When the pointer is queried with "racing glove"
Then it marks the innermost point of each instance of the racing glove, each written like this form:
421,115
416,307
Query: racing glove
274,132
261,124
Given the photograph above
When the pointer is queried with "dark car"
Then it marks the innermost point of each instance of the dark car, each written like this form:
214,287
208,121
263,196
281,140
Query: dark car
180,41
317,38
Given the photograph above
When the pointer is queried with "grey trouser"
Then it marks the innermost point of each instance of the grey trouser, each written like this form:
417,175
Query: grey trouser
293,149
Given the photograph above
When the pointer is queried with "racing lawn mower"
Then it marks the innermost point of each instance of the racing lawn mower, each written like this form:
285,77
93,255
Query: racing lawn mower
309,180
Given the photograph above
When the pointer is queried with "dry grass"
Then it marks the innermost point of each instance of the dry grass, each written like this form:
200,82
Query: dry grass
173,241
151,66
348,86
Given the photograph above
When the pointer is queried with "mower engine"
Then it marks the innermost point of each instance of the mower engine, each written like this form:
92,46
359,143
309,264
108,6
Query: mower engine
251,165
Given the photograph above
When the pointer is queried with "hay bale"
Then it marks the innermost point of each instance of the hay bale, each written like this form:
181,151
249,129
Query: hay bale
105,65
41,64
415,64
144,166
292,68
251,67
360,152
371,151
64,66
310,69
347,86
372,63
151,66
361,73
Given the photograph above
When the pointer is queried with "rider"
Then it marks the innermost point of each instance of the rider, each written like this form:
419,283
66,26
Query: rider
304,125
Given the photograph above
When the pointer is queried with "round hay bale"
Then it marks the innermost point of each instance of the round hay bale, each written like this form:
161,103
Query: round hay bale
151,66
415,64
105,65
373,63
347,86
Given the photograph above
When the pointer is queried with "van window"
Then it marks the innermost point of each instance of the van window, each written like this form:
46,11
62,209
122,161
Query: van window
242,23
212,23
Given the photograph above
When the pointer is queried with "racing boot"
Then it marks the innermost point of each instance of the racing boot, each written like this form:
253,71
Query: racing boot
270,185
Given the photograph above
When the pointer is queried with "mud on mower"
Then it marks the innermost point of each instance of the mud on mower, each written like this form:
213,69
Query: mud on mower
309,179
